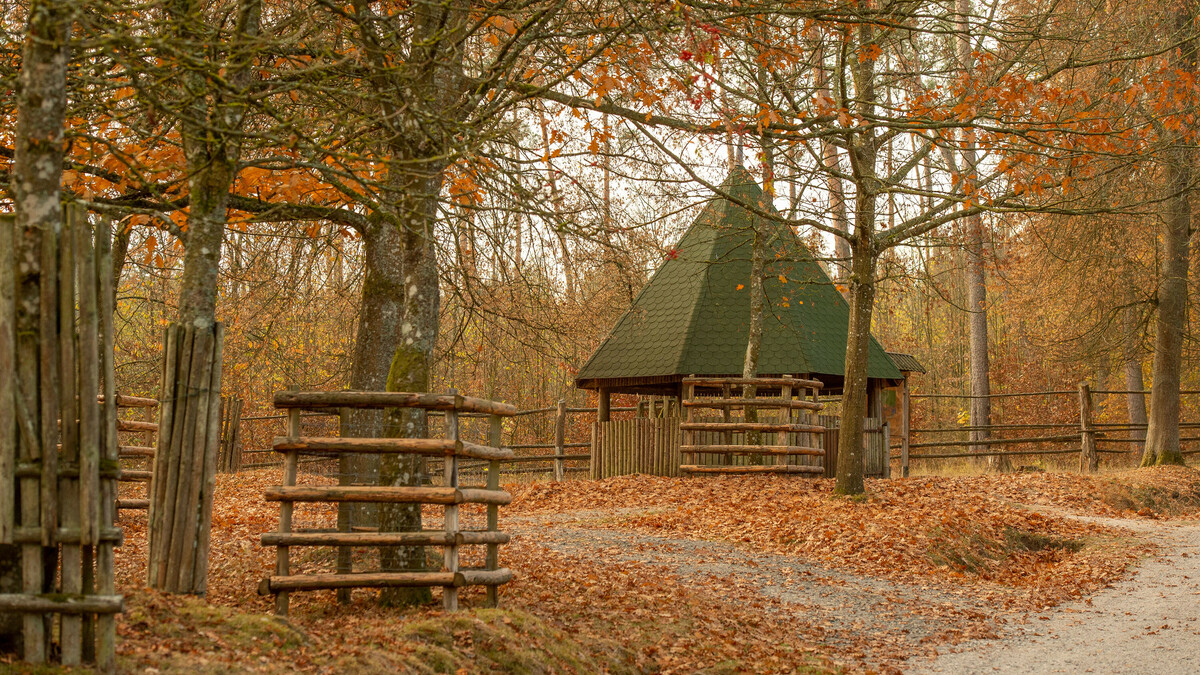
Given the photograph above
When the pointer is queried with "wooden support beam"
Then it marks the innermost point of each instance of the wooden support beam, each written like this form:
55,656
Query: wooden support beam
390,399
428,538
753,450
432,447
385,494
752,381
727,402
778,468
765,427
62,604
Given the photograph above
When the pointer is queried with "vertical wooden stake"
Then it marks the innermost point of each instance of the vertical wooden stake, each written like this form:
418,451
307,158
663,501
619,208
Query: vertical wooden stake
106,624
8,414
1089,460
905,429
493,511
785,416
290,463
560,439
450,551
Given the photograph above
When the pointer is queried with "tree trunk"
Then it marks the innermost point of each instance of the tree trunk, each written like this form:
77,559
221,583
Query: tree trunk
864,153
837,193
211,127
410,371
1135,380
854,392
976,279
379,314
120,252
36,189
1162,436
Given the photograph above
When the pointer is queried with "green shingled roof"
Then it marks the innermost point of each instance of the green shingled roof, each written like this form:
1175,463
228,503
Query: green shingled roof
694,314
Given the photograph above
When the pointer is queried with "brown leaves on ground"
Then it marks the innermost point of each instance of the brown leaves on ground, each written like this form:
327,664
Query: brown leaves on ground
560,615
959,531
572,613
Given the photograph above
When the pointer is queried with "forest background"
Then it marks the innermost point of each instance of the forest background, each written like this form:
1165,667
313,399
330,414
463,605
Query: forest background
1040,151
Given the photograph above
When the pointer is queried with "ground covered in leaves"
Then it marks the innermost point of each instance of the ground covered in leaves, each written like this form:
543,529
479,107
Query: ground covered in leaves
581,605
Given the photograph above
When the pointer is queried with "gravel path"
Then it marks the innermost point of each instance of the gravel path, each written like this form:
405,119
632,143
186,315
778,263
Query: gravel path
1147,624
880,621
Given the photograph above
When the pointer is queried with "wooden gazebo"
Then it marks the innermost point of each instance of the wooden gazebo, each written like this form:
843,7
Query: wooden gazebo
692,318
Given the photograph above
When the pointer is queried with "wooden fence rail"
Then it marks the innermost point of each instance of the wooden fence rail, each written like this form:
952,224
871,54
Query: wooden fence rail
450,495
1087,440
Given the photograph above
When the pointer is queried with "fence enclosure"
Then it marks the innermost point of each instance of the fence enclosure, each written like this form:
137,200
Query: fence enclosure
58,440
450,495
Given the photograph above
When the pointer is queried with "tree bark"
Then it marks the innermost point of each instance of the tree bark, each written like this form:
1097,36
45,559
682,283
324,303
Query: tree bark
864,154
976,277
37,193
858,341
212,150
1162,436
837,193
410,371
1135,380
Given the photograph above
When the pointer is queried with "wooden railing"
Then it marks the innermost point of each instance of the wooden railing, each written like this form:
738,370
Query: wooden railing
793,413
137,461
450,495
1083,437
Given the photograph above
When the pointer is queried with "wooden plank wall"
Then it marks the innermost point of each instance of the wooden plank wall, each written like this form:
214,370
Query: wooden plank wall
651,446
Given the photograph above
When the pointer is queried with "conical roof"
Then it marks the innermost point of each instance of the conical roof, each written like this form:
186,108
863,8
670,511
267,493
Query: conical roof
693,316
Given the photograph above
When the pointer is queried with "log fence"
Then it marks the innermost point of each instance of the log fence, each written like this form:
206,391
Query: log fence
58,441
789,433
450,495
137,460
1087,437
229,458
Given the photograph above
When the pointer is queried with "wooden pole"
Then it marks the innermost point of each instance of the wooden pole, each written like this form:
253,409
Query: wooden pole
604,394
282,554
450,551
1089,460
905,429
495,439
106,623
8,415
560,439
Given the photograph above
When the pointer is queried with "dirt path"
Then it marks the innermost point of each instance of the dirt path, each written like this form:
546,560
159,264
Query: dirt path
1147,624
873,621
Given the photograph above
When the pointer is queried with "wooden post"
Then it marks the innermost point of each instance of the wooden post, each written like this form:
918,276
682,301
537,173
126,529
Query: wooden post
560,439
450,551
689,437
887,449
493,511
727,417
905,429
8,415
785,415
604,395
106,624
290,464
1089,460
